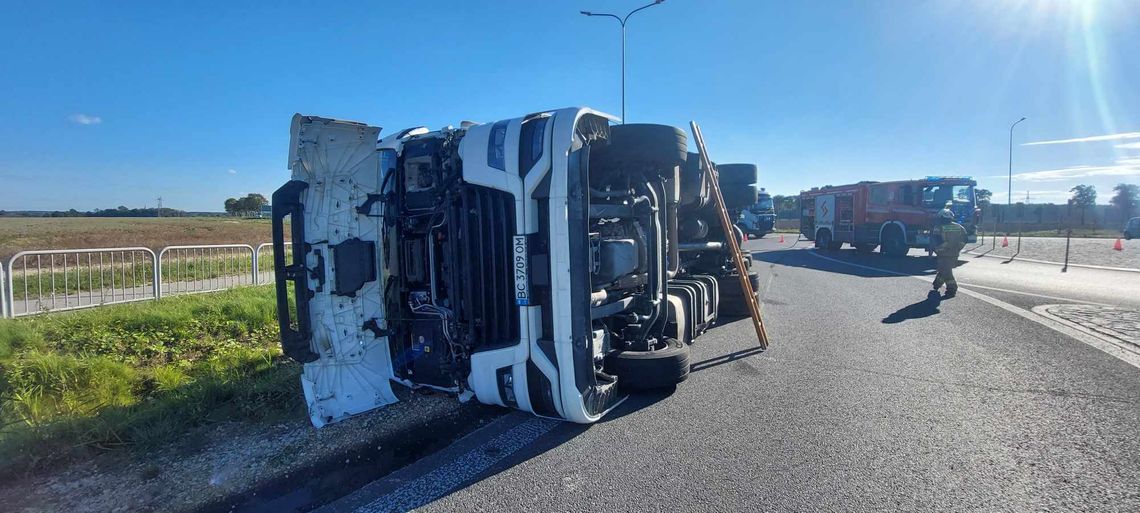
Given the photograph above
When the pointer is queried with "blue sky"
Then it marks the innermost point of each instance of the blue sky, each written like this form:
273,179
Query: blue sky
117,103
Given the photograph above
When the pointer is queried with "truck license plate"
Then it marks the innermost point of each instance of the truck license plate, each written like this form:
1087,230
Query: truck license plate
521,265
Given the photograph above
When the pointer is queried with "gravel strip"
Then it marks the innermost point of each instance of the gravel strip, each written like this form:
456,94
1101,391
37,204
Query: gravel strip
1052,249
234,461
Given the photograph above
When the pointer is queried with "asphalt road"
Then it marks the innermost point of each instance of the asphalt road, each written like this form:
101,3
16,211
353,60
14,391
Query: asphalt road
871,398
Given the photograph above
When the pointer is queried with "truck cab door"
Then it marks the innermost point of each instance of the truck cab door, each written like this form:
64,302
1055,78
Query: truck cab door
334,263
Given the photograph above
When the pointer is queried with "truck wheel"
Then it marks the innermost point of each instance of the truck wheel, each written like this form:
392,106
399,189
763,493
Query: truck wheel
651,370
738,185
643,142
823,239
731,304
894,245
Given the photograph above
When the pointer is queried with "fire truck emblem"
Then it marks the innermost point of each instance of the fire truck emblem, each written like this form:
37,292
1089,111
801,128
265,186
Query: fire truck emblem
823,207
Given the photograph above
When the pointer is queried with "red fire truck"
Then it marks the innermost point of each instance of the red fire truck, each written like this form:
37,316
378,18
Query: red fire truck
895,216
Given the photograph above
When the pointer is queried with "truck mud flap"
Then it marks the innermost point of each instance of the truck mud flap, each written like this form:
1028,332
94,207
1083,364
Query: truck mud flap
296,343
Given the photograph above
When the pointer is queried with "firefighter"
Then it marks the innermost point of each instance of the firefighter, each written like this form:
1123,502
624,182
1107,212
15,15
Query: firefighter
951,239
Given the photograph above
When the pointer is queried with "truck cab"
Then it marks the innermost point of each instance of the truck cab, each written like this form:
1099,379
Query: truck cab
759,219
552,262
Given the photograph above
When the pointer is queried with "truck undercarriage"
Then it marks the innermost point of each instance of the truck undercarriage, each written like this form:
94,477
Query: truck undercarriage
549,263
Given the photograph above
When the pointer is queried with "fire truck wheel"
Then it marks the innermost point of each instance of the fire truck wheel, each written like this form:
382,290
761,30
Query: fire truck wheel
894,245
651,370
823,240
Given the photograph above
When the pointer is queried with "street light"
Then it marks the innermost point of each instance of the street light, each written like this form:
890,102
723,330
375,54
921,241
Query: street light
622,22
1009,191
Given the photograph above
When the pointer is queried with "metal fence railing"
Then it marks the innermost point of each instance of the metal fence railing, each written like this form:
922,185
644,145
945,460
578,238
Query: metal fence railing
33,282
3,294
206,268
55,280
263,261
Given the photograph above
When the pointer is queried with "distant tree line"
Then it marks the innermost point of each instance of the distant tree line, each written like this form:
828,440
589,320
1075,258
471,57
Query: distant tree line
246,206
120,211
1080,210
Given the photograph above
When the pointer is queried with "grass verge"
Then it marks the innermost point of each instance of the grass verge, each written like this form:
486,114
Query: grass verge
139,375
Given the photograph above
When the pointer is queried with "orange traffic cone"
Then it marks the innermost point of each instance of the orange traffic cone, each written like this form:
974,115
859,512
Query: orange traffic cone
782,239
1119,246
1005,242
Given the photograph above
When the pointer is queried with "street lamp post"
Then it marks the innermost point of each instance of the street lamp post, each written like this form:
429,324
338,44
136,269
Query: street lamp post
1009,192
622,21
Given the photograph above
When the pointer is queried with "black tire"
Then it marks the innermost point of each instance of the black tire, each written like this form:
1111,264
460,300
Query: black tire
894,245
694,183
732,304
648,143
823,239
1127,235
650,370
738,185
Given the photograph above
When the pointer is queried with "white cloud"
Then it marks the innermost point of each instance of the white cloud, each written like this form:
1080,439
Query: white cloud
232,171
84,119
1129,146
1123,167
1095,138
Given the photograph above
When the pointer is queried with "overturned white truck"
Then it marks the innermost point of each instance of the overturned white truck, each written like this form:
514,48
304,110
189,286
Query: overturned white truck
550,263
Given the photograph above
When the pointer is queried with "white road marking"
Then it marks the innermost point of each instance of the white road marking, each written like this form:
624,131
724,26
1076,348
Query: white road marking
1033,294
1101,343
441,481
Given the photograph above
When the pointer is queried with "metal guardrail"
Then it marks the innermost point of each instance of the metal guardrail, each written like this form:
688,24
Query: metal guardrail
3,293
69,279
206,268
34,282
264,266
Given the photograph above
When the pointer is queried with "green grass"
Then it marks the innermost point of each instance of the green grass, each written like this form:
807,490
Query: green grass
139,375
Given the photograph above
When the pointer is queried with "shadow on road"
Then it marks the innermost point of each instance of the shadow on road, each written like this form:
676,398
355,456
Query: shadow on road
803,258
924,308
723,359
